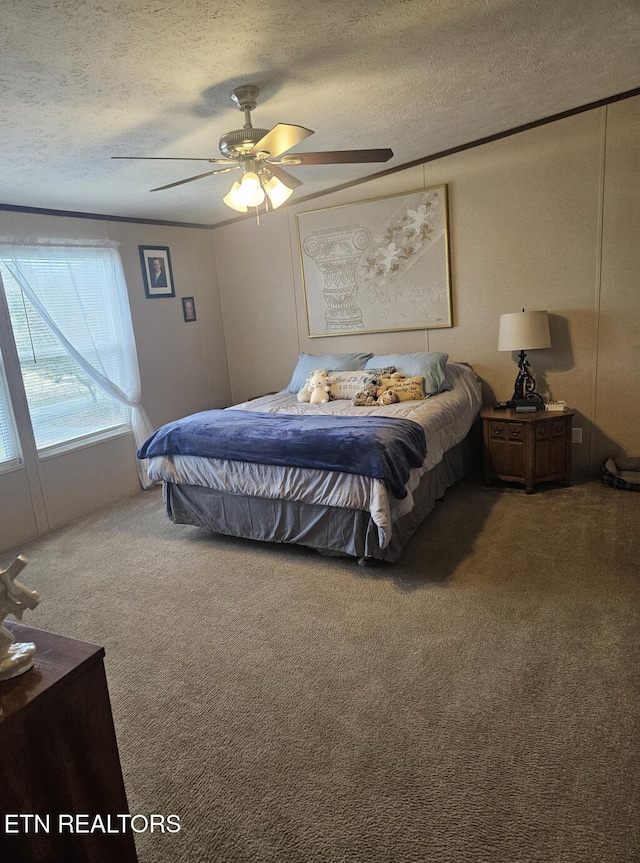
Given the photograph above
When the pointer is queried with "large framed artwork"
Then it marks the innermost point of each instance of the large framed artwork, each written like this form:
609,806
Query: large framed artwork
156,271
377,266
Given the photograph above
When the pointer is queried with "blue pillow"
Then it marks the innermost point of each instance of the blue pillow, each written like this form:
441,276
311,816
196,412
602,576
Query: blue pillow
331,362
429,366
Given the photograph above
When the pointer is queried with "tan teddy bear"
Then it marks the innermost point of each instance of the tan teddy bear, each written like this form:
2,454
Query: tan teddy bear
365,397
372,395
386,396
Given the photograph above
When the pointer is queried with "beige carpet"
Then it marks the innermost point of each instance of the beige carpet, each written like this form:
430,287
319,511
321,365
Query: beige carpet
477,701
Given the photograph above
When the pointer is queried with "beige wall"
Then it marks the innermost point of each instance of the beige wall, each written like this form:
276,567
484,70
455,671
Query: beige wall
547,218
183,368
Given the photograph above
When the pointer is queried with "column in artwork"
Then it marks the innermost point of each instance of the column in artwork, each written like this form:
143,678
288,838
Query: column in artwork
337,252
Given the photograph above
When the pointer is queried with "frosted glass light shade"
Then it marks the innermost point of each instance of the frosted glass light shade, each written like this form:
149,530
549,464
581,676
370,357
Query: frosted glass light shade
524,331
277,191
231,200
250,193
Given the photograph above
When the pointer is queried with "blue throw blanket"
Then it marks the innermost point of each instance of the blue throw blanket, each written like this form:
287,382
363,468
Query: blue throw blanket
381,447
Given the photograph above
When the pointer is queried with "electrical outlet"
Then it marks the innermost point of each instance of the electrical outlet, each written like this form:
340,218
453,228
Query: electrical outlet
576,435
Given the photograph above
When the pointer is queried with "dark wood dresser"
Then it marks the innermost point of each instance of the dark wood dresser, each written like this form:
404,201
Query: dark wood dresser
528,448
58,756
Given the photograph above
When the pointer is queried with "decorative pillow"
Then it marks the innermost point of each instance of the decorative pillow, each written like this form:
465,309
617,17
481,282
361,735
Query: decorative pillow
407,389
308,362
345,384
429,365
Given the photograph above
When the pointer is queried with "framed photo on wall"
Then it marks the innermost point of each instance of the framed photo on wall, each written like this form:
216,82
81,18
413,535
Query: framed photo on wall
377,266
156,271
188,309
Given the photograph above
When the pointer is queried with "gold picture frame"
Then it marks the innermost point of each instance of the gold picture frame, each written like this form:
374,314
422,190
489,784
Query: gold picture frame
377,266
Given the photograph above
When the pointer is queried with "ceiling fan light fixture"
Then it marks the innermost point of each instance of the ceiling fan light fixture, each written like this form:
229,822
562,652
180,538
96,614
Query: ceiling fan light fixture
259,153
232,201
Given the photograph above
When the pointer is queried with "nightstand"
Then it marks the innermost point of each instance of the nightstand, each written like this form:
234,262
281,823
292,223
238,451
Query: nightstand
527,447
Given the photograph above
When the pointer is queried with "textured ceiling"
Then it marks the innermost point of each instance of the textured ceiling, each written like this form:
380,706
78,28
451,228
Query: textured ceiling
84,80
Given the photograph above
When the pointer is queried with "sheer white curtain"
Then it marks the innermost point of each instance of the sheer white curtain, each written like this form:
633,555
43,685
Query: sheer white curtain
73,283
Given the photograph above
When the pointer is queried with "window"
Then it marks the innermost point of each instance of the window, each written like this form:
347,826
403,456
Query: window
69,316
65,404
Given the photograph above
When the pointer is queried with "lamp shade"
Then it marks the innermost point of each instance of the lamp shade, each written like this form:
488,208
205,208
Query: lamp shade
524,331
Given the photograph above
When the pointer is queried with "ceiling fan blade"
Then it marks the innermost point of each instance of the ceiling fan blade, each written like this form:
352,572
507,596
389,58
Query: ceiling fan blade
337,157
176,159
198,177
280,139
284,176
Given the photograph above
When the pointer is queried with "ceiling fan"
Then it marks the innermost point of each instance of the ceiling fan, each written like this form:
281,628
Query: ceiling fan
261,153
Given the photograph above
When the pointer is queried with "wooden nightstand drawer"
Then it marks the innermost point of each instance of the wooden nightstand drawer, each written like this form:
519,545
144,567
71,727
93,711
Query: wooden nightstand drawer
502,431
543,432
516,431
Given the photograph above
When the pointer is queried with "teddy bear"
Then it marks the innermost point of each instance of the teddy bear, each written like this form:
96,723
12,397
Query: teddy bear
316,388
386,396
366,397
321,390
372,395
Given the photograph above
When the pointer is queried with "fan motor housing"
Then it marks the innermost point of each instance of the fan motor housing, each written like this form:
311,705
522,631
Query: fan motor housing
240,142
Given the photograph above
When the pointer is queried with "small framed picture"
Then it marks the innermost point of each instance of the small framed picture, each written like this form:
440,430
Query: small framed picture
156,271
188,309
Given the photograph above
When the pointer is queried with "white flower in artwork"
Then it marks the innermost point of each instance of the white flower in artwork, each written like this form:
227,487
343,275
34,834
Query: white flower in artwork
417,218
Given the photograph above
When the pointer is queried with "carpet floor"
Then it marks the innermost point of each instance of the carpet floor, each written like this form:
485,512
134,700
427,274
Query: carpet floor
476,701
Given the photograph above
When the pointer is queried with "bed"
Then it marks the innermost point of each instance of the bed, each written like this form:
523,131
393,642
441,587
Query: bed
335,508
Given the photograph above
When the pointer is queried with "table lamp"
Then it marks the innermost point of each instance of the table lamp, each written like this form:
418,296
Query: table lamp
524,331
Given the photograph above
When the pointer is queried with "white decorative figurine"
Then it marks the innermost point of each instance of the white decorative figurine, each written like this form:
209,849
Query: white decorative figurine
15,658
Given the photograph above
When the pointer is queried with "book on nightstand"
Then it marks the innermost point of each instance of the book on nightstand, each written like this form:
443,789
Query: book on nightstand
555,406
